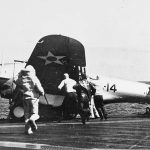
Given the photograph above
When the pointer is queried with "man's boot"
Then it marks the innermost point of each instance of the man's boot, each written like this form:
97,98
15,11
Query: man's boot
28,129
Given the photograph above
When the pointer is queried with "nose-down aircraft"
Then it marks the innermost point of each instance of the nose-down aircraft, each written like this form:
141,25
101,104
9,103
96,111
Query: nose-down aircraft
52,56
55,55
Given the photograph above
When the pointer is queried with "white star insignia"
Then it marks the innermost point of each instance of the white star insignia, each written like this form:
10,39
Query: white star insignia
50,58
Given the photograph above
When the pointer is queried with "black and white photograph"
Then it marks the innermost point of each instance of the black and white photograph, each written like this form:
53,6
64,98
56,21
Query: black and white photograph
74,74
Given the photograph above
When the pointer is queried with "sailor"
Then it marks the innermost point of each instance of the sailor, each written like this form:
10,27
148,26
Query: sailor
98,98
91,91
93,110
84,96
70,93
31,89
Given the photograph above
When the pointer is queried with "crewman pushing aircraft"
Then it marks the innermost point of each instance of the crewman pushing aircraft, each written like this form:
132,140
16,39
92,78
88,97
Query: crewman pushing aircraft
70,93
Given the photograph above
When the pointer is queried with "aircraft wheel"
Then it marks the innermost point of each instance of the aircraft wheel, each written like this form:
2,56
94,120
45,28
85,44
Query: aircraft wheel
17,113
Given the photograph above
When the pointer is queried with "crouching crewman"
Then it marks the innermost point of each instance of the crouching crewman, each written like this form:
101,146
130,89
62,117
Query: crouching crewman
31,89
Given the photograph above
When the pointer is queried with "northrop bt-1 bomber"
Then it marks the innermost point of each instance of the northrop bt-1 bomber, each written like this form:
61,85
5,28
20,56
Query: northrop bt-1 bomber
55,55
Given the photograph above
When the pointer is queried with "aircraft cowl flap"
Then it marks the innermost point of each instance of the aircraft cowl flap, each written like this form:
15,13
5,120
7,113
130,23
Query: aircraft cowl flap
54,55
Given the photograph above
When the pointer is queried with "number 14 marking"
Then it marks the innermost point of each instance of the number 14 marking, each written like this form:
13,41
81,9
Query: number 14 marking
111,88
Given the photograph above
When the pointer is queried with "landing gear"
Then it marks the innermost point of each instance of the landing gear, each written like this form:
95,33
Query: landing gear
16,113
16,107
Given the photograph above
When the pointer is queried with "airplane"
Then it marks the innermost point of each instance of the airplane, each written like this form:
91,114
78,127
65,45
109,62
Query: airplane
117,90
55,55
52,56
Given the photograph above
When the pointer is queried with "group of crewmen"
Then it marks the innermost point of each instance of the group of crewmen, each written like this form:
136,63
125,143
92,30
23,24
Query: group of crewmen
91,89
30,86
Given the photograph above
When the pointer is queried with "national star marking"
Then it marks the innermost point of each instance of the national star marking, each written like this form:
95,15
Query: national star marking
57,61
